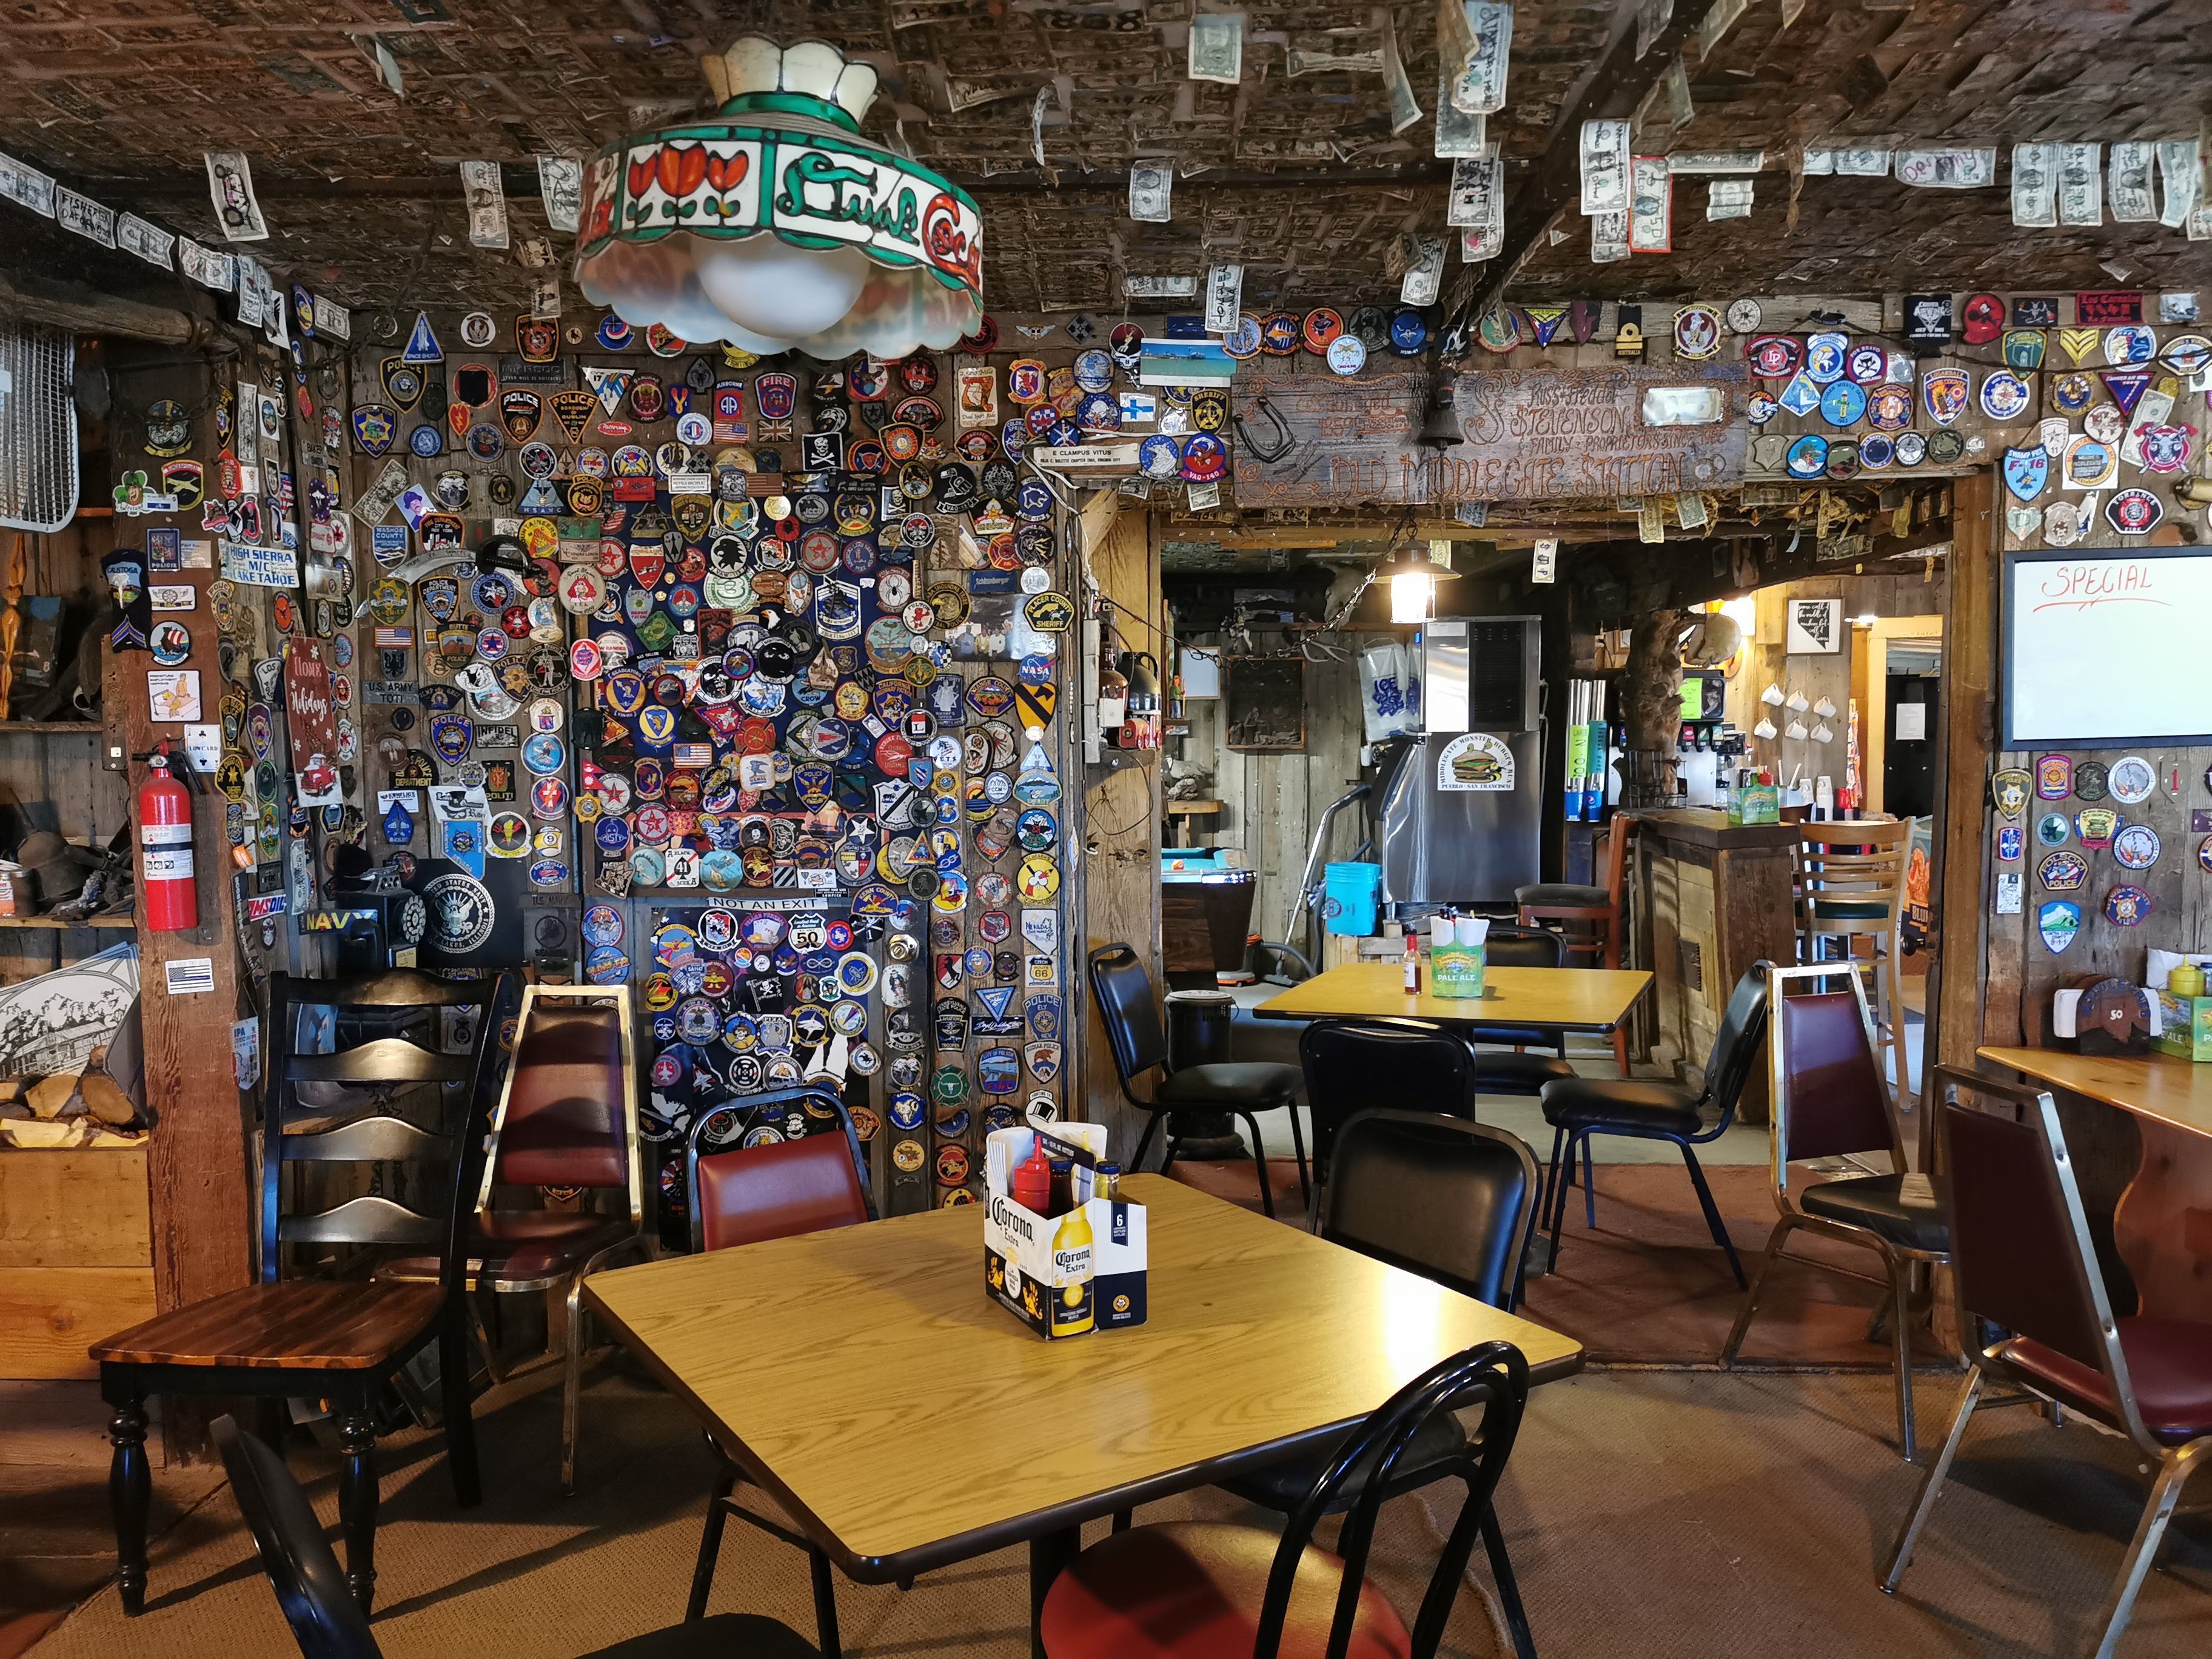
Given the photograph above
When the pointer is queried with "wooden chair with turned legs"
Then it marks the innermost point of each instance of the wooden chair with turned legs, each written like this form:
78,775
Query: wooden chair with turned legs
293,1336
1591,919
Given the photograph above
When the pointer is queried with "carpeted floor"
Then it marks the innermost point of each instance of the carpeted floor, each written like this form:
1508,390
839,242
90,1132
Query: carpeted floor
1652,1516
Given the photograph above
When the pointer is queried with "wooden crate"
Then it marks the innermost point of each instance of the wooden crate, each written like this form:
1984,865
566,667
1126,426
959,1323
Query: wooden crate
75,1255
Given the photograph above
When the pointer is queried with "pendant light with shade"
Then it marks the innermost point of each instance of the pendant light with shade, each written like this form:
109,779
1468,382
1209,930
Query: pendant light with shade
775,226
1413,576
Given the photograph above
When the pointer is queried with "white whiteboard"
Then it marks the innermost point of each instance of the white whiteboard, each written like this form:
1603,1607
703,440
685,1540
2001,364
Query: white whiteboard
2107,647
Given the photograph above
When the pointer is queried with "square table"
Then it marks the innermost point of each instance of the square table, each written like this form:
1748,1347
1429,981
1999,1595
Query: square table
829,1363
1565,998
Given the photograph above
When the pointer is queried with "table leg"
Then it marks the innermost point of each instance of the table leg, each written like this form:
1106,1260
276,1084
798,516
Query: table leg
1048,1552
130,1485
2162,1226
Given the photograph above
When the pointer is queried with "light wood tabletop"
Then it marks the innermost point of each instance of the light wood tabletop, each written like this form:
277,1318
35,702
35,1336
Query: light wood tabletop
2159,1086
865,1376
1570,999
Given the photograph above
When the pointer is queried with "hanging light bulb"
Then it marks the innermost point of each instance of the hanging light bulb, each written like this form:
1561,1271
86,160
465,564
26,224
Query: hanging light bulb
1413,579
776,216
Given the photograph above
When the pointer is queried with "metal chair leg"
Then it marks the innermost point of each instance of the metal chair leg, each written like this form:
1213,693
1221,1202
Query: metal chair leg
1590,1183
1900,1556
1782,1229
1559,1212
1551,1177
1260,1161
1901,1291
1712,1214
572,1384
825,1605
1145,1143
710,1542
2172,1474
1298,1151
1509,1588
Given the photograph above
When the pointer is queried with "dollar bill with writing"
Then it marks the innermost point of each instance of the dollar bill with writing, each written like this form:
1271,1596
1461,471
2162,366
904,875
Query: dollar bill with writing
1717,160
1405,108
1217,46
561,187
1482,231
1425,270
1479,88
1224,298
1946,169
2129,182
84,216
1862,163
1471,191
1728,198
134,235
1651,205
486,203
2179,178
545,295
1151,188
1605,168
2035,185
230,187
205,266
1608,236
1458,133
26,186
2081,184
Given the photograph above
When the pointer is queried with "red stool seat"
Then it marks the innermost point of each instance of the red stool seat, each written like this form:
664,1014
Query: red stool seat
1193,1589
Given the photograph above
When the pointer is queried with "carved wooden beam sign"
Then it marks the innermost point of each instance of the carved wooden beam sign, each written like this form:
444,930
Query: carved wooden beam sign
1319,441
1546,432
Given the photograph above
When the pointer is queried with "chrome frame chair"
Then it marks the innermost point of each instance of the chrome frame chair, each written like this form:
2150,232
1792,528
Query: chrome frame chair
1851,877
569,1284
1901,1263
2177,1456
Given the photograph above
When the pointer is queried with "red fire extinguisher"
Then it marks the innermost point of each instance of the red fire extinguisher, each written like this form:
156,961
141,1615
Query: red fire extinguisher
168,897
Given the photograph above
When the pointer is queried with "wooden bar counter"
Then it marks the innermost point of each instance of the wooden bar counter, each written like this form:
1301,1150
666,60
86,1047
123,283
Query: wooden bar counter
1710,899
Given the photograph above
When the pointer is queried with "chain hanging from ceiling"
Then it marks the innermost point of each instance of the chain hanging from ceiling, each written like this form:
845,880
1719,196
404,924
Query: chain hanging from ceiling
38,427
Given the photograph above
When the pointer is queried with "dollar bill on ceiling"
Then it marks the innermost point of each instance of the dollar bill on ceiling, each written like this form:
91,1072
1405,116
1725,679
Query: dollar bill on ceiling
1608,236
2180,180
230,187
1728,198
1651,205
1405,108
1424,269
486,203
1458,133
1217,47
1224,298
2035,185
1946,169
1152,190
1605,168
1479,88
561,187
2081,184
2129,181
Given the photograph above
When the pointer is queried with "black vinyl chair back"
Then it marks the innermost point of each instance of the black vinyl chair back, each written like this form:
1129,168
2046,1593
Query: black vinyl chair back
2019,1236
1126,1008
1354,1066
370,1073
310,1587
1494,1375
1511,946
1448,1199
1736,1045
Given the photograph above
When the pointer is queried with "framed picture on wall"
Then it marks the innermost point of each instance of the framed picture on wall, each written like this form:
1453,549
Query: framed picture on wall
1816,627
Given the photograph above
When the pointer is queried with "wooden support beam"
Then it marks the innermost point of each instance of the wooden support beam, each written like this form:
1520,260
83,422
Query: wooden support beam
84,310
1965,741
1609,90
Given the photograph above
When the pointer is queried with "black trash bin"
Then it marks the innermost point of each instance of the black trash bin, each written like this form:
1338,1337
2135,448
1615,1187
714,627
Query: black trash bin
1199,1034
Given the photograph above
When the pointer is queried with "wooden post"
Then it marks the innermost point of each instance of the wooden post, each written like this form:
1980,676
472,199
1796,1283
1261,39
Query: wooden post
198,1180
1651,707
1959,1000
1120,887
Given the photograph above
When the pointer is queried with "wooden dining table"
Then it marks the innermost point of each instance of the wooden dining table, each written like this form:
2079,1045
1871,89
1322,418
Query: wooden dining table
2162,1222
864,1376
1594,1000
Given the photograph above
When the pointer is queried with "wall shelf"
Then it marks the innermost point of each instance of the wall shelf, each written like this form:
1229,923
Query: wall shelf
58,926
78,729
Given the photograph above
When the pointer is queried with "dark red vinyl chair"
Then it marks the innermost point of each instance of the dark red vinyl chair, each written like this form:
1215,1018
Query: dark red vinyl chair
2020,1242
1829,1101
747,1195
1214,1590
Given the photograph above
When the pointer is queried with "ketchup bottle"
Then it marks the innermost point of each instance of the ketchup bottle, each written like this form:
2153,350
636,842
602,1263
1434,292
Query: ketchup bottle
1032,1181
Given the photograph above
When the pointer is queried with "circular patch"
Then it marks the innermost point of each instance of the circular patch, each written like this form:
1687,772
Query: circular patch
460,914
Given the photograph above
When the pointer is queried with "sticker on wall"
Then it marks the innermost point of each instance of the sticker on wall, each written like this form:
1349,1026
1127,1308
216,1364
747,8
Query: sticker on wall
1475,760
2137,846
2131,779
2058,921
2011,889
2054,777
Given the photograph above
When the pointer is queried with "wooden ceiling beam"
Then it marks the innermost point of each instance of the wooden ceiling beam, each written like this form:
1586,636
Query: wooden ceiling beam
1610,90
81,310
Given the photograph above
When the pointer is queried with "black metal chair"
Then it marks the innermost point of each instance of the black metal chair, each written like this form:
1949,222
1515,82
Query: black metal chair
329,1624
1517,1073
293,1336
1130,1014
1197,1589
1579,1108
2027,1267
1452,1200
1354,1066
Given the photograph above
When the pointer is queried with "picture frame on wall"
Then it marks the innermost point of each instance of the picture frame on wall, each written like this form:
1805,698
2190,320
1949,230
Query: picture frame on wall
1816,627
